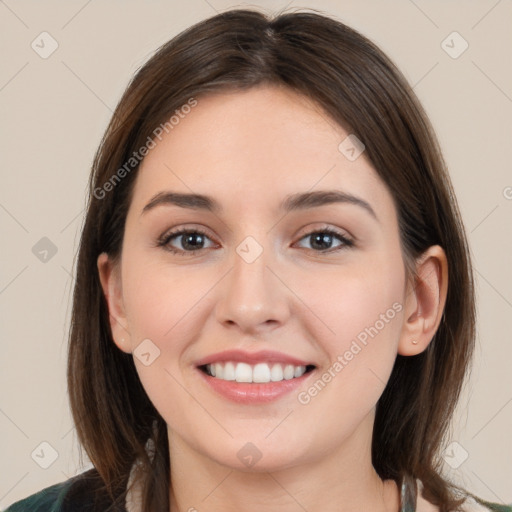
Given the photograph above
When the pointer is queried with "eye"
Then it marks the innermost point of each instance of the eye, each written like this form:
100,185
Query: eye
190,240
194,240
322,240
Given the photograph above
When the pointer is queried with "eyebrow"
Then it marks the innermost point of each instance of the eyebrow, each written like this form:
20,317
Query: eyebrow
294,202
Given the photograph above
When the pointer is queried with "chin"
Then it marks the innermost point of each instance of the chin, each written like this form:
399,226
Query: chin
258,457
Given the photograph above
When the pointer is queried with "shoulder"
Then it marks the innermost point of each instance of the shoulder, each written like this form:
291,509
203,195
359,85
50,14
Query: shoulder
475,504
81,493
49,499
471,503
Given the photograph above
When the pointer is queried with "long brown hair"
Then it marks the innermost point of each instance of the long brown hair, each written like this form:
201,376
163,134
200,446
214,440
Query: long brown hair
362,90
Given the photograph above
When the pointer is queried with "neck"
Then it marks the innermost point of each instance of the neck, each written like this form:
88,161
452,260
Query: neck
341,481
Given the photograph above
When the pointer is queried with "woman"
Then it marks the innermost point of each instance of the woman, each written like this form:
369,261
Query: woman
274,302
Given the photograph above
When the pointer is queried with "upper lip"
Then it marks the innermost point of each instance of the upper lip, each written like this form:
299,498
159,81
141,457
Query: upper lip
262,356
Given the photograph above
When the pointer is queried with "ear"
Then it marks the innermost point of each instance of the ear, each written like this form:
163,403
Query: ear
424,302
110,278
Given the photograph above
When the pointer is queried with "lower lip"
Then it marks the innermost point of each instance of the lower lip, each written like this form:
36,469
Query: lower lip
253,393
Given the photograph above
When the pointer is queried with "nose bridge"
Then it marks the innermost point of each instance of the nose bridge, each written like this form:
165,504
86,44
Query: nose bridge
253,297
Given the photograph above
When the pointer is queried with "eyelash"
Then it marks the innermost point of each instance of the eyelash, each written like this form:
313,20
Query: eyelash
164,240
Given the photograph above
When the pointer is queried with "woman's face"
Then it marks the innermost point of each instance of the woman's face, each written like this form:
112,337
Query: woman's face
297,266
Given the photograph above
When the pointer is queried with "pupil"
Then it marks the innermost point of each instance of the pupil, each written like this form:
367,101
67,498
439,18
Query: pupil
322,240
188,240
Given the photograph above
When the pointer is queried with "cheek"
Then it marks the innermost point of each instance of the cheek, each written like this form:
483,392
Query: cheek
359,302
163,305
160,299
363,309
362,306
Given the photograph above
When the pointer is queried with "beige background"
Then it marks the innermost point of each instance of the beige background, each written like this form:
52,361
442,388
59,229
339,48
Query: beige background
53,114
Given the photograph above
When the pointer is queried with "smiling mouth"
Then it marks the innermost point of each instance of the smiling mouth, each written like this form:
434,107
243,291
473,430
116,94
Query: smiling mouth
259,373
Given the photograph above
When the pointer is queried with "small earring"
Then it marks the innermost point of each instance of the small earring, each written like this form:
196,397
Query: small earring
414,342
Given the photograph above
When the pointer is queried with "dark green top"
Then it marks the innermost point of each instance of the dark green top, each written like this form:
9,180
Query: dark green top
50,499
81,493
74,495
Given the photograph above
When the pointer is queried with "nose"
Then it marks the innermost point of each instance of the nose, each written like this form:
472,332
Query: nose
253,297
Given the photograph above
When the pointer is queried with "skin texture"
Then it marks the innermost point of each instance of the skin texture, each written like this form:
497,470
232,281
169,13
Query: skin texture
249,151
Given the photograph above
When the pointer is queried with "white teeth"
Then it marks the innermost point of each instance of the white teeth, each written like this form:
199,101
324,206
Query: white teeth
219,370
243,372
259,373
289,372
229,371
276,374
298,371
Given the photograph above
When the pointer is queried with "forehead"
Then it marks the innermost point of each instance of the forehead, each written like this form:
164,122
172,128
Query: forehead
254,147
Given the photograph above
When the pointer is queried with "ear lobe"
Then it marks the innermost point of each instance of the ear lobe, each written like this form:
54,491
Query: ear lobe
425,301
110,280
